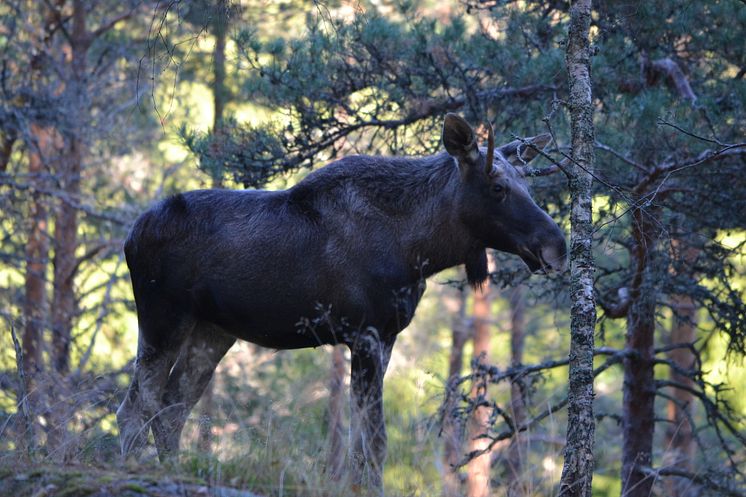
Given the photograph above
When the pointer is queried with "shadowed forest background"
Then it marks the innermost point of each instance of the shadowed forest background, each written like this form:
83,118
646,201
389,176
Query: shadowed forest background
108,106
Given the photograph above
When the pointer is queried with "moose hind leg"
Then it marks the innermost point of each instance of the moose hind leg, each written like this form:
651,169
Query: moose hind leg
132,422
198,358
369,361
142,402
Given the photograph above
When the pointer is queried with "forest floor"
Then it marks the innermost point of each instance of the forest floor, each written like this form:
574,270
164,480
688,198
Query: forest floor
77,480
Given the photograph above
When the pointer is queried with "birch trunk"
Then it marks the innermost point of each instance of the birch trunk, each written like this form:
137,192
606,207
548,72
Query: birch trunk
577,473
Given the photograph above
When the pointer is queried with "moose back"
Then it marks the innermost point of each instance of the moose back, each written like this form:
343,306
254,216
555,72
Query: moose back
340,258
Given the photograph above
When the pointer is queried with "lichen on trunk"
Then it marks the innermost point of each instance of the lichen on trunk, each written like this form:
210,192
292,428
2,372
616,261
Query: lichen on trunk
577,473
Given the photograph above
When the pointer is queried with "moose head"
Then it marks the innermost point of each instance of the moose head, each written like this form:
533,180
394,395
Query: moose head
495,203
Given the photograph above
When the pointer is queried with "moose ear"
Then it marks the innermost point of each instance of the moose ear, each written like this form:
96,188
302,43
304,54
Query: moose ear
459,139
520,153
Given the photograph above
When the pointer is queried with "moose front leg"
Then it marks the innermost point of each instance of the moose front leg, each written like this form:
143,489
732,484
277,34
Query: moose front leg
370,357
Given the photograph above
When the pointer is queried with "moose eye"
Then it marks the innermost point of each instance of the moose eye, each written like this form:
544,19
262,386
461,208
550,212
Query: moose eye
498,188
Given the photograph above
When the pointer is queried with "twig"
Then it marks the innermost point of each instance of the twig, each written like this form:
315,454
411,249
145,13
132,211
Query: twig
702,479
22,402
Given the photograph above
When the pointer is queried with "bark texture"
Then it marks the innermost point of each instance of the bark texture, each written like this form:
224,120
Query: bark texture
638,404
69,174
35,303
577,473
37,252
478,468
75,91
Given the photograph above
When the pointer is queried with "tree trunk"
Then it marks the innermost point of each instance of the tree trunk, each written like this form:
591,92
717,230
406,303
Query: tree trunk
219,93
36,256
478,469
65,263
518,447
638,404
66,218
577,472
336,456
452,433
37,252
679,443
207,406
65,245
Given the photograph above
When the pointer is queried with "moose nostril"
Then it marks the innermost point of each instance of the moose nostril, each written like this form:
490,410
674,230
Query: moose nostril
554,257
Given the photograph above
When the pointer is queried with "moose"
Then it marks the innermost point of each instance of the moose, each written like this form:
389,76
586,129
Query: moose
339,258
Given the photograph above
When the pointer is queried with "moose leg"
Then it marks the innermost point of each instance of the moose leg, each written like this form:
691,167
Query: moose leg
198,358
133,428
142,402
369,360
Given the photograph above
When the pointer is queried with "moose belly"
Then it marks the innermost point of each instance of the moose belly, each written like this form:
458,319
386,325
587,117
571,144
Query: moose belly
283,318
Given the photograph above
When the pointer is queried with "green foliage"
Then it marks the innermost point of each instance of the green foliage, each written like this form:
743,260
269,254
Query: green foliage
309,83
227,151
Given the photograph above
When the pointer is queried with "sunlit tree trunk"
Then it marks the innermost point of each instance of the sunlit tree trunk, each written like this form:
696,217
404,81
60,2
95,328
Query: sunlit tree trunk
518,447
679,441
36,255
577,472
452,433
478,469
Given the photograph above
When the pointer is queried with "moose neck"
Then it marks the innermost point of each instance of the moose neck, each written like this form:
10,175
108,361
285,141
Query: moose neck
420,198
434,236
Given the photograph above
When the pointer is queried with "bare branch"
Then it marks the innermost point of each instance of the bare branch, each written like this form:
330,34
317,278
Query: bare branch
700,478
7,180
616,356
668,168
108,25
622,157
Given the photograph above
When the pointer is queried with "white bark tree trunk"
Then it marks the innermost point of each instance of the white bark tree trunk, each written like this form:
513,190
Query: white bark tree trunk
577,473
